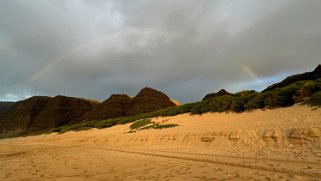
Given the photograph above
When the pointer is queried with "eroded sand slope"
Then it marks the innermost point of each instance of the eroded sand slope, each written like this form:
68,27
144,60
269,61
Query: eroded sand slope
277,144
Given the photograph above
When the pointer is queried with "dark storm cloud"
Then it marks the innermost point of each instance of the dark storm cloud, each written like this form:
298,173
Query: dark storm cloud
184,48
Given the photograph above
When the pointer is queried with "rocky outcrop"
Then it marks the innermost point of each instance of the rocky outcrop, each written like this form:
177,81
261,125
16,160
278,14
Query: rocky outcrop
113,107
121,105
4,106
316,74
59,111
41,112
222,92
148,100
20,115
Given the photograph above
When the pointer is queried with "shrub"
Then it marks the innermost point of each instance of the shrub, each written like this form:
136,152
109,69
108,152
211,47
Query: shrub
239,103
106,123
307,90
220,104
140,123
271,99
315,100
200,108
55,130
255,103
90,123
160,126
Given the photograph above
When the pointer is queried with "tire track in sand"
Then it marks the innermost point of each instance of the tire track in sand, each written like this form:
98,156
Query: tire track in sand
220,162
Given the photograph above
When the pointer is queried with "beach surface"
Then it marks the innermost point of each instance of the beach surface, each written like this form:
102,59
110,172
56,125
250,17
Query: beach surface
277,144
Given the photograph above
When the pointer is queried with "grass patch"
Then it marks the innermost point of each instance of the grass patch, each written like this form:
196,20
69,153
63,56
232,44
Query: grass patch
163,126
105,123
140,123
160,126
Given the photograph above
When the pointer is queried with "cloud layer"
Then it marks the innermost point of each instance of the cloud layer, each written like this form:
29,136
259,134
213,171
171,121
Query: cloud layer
185,48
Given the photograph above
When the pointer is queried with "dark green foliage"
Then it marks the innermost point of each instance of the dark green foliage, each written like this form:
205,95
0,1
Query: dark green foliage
140,123
307,91
308,88
241,99
307,76
216,104
106,123
56,129
256,102
271,99
315,99
160,126
66,128
236,103
286,95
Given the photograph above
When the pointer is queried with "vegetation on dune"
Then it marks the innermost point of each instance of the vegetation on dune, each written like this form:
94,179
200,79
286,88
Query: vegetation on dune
161,126
308,91
315,100
148,124
140,123
247,100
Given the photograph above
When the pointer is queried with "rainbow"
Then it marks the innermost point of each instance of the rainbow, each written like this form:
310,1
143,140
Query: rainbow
254,75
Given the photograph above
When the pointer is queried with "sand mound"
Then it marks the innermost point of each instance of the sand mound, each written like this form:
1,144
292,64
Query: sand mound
278,144
280,128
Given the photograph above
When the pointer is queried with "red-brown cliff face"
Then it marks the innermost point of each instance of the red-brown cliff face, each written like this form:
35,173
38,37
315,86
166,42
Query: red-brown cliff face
148,100
41,112
113,107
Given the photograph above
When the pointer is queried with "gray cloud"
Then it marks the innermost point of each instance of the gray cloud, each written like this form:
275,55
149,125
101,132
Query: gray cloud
184,48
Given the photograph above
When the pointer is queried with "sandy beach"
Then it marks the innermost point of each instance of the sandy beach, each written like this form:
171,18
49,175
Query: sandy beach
277,144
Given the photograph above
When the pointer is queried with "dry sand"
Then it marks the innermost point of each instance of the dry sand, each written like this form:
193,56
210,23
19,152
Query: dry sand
279,144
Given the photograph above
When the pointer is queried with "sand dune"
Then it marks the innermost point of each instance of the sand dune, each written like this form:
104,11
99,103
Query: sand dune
279,144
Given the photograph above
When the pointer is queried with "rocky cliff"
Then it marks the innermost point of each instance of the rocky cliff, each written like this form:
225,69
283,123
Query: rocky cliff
4,106
20,115
120,105
41,112
148,100
113,107
59,111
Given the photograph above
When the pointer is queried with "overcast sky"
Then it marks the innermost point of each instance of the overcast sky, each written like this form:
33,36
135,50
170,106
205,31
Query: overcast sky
185,48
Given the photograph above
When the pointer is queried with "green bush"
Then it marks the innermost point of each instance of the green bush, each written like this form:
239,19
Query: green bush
256,102
238,105
160,126
315,100
55,129
241,100
216,104
200,108
307,90
271,99
140,123
105,123
163,126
